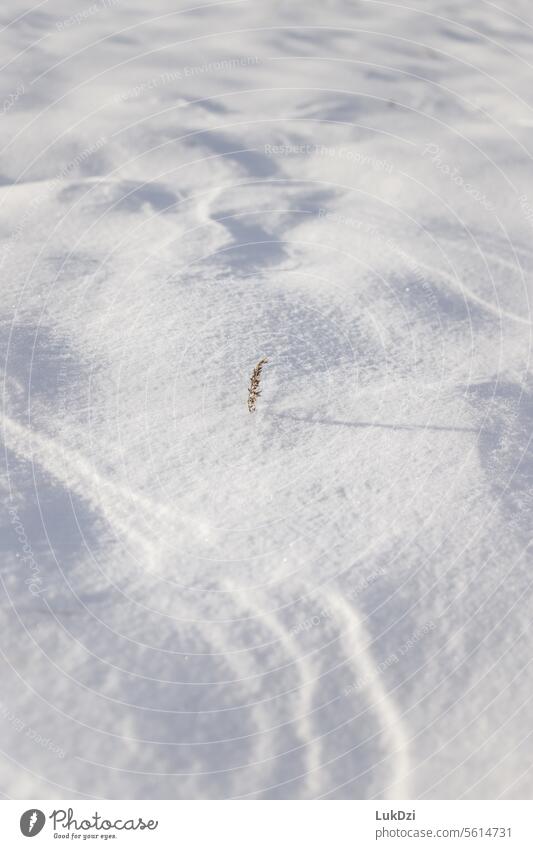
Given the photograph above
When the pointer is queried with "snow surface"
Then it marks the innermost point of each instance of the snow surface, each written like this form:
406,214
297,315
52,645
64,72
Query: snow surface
330,597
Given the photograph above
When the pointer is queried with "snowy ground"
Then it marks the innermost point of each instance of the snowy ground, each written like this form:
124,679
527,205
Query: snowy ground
331,597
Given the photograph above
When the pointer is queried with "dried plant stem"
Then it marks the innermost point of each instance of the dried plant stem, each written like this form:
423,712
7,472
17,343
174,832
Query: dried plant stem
253,390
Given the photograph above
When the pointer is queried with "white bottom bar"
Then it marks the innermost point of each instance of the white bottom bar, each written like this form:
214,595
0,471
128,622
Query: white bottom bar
267,824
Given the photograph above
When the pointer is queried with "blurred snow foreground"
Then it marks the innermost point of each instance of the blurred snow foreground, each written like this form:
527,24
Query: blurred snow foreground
332,597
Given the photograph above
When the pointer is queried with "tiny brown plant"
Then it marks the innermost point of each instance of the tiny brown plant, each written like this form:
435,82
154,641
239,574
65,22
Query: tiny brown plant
253,390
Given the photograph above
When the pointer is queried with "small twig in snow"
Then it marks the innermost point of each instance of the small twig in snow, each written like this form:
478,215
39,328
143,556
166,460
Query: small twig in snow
253,390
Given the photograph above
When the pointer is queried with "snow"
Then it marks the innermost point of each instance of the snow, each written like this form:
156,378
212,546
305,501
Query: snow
329,597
